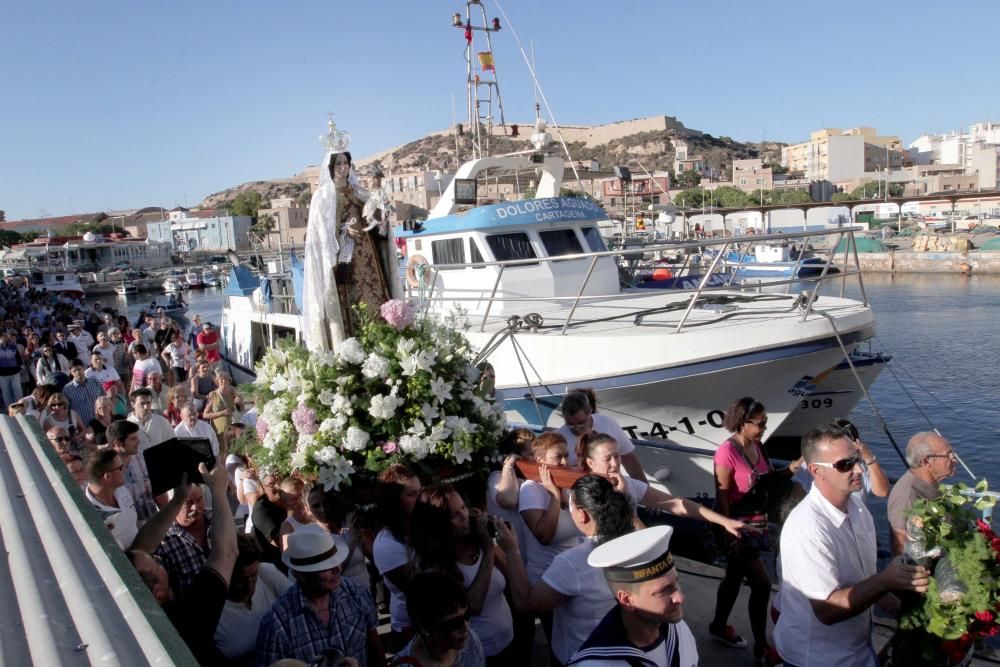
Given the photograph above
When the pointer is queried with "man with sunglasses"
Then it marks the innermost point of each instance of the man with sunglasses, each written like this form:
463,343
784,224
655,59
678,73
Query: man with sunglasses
829,578
930,459
106,491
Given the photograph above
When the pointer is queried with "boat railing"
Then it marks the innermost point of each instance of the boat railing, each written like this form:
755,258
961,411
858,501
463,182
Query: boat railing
848,267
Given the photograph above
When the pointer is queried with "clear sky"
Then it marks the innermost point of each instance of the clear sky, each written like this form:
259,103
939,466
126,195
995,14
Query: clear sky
123,104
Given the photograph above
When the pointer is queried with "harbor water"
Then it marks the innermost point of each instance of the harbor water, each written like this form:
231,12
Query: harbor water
940,330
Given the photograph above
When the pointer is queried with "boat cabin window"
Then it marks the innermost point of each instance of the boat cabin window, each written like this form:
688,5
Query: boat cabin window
594,240
512,246
475,257
560,242
448,251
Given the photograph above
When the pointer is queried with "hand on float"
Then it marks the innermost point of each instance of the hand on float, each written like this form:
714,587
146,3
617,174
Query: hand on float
736,528
902,576
545,475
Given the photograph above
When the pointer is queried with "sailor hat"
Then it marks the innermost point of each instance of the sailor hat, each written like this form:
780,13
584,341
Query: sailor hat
314,551
638,556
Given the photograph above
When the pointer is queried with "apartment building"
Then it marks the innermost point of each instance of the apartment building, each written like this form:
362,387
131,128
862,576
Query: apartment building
833,154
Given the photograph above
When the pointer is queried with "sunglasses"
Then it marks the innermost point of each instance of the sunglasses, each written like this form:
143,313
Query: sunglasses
454,624
843,465
57,405
60,438
760,423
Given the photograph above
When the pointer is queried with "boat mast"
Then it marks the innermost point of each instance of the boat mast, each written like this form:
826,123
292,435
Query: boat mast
481,83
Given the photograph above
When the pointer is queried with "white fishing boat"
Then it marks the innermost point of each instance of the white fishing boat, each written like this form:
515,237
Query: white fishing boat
539,295
66,283
173,306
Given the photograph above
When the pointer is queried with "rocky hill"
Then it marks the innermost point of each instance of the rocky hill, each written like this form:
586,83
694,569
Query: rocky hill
647,140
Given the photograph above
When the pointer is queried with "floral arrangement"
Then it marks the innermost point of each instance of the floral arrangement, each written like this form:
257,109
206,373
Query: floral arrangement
403,390
963,599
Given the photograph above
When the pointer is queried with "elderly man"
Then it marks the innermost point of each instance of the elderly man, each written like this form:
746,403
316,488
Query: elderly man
82,391
192,427
322,610
646,626
60,440
930,459
106,491
187,544
106,349
194,613
829,578
153,428
123,437
80,337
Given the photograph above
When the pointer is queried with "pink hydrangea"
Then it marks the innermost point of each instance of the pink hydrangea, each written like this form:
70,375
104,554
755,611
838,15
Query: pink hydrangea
304,419
399,314
262,428
389,447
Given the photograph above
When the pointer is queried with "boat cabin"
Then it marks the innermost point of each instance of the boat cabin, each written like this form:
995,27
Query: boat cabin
462,252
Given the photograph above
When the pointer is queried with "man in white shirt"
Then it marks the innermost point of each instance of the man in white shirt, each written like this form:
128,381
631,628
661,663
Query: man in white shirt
81,338
106,491
192,427
829,579
153,428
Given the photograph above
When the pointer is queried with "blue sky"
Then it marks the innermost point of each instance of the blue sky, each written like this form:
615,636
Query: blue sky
122,104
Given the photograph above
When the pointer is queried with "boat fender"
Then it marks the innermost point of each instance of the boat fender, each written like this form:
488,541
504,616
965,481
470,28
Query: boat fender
662,475
418,272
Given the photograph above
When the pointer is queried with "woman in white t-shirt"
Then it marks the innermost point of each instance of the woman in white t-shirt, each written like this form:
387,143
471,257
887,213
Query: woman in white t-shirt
598,453
576,593
579,412
445,537
542,506
398,490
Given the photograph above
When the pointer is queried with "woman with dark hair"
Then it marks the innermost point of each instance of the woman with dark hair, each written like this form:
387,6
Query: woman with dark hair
333,513
446,538
398,490
440,612
741,465
580,417
598,453
576,593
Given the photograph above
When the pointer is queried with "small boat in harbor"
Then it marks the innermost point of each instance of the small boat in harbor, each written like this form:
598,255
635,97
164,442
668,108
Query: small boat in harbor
194,280
210,279
173,284
173,306
773,260
126,287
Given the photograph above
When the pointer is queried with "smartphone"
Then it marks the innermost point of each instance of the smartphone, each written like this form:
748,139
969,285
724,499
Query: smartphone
168,461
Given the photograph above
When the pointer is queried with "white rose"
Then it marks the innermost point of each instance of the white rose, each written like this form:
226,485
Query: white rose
375,366
351,352
356,439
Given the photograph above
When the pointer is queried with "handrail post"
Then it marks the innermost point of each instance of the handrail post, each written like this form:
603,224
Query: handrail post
593,263
489,304
701,286
819,283
739,265
857,264
430,292
847,261
798,264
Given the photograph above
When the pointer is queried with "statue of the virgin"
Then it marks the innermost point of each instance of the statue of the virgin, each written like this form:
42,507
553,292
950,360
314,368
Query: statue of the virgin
348,260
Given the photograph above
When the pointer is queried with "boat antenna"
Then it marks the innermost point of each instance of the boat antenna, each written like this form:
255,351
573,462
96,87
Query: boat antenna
541,93
484,81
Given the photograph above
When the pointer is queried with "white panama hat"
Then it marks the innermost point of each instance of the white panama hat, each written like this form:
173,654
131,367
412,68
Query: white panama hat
314,551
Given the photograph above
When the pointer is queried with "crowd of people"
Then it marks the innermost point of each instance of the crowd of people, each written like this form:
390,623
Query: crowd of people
254,569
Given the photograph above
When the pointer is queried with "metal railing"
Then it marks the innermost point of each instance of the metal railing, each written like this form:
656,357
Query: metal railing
719,248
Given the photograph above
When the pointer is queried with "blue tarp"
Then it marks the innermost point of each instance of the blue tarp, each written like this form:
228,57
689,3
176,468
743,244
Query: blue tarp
242,282
298,280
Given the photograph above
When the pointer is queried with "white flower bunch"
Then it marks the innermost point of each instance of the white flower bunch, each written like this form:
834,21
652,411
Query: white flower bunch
375,366
351,352
356,439
383,408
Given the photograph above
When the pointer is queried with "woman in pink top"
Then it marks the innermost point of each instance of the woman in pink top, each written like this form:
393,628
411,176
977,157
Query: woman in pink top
740,464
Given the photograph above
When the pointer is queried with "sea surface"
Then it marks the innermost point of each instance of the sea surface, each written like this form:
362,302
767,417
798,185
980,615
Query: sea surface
942,332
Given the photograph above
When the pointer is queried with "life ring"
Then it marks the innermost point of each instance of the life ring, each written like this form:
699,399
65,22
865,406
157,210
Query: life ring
412,278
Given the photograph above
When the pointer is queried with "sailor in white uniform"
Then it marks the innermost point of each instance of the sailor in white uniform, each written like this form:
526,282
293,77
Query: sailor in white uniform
645,628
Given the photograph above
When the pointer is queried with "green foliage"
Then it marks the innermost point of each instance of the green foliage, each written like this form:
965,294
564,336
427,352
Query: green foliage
247,203
731,197
842,196
8,238
971,551
688,179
